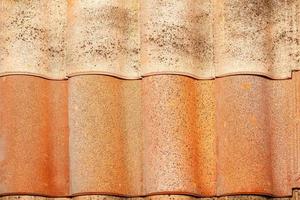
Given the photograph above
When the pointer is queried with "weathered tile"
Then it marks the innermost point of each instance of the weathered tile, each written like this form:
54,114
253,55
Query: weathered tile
257,37
34,154
179,135
105,135
132,39
177,37
32,37
109,42
164,134
152,197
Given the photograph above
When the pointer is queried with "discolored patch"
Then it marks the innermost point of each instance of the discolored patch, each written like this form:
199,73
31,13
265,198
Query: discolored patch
257,37
177,37
109,42
131,39
29,41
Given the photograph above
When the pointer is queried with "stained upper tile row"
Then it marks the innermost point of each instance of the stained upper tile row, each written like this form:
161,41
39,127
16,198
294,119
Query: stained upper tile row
134,38
160,135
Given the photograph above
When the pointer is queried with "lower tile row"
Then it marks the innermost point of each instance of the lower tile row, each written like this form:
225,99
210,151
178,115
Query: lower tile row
164,134
154,197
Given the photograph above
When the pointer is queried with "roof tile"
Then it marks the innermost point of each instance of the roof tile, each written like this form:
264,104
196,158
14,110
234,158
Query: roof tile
154,197
163,134
33,136
203,39
107,145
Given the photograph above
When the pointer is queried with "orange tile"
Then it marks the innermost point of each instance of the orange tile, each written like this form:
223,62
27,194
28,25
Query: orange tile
105,135
179,135
255,126
33,136
154,197
163,134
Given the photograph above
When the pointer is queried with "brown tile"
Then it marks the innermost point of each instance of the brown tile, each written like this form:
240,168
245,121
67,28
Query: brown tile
33,136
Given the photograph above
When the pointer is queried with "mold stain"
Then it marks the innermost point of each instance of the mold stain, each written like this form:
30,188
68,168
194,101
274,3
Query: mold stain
105,21
180,39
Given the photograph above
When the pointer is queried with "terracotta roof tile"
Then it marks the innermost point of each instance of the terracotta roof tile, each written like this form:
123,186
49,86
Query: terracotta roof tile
163,134
154,197
179,135
61,38
32,37
256,127
33,136
107,145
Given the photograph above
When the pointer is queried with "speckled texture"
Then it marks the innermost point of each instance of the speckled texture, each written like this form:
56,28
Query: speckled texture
32,37
164,134
33,136
154,197
104,37
179,135
177,37
135,38
23,197
255,127
180,120
105,135
257,37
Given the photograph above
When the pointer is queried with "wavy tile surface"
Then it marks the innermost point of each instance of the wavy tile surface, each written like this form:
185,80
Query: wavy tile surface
32,37
160,135
33,136
154,197
130,39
